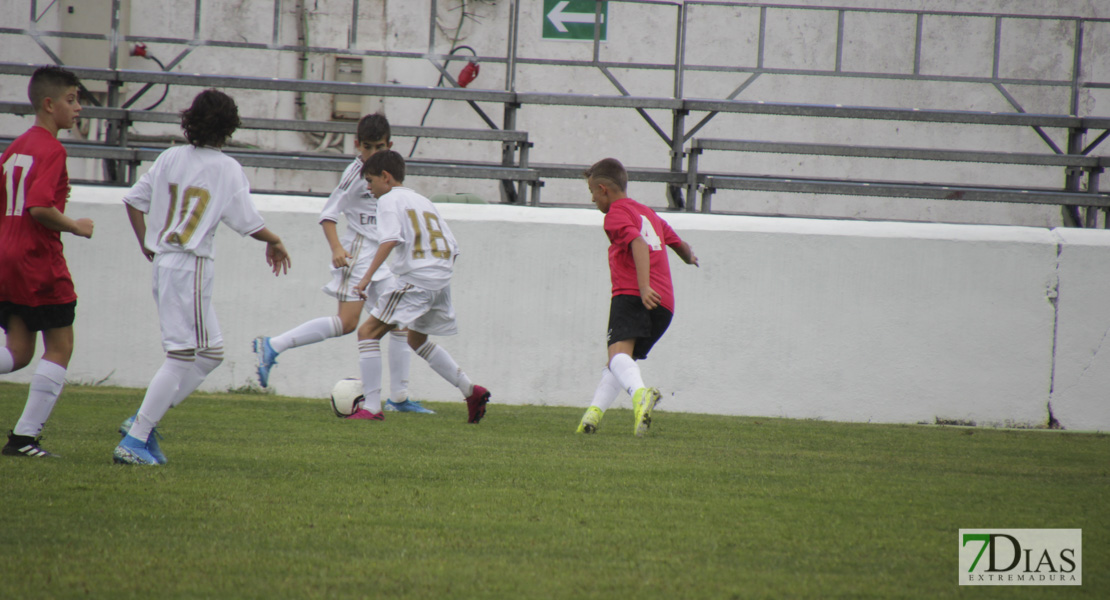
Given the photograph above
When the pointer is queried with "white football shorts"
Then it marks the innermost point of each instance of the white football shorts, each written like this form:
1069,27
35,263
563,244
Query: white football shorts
182,285
418,309
344,279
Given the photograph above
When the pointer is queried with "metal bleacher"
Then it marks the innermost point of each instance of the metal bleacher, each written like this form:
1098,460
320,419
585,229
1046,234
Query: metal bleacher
1077,165
131,154
684,144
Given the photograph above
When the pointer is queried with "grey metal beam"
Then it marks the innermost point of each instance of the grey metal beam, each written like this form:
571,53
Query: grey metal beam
975,156
1019,108
321,87
599,101
1095,122
336,163
707,105
587,64
901,11
643,114
423,168
905,190
275,84
492,135
893,114
553,171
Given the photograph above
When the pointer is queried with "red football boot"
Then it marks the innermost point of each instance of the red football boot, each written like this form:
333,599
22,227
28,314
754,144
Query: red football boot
476,404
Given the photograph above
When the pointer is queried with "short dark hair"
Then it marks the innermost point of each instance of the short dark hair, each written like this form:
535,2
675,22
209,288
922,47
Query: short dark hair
373,128
386,161
609,169
211,119
49,82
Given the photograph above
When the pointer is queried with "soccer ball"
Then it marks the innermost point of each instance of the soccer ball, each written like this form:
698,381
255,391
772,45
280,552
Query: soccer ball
346,397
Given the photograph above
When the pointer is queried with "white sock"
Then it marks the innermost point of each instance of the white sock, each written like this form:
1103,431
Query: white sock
400,359
7,361
607,390
206,361
627,373
46,385
370,365
161,393
316,330
441,362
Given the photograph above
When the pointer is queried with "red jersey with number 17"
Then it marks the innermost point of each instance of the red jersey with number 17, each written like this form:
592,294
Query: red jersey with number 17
33,270
626,221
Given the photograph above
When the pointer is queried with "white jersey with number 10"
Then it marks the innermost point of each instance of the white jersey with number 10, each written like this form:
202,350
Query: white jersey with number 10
426,254
187,193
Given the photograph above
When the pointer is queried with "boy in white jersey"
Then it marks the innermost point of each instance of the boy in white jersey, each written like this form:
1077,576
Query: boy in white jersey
351,256
419,296
187,193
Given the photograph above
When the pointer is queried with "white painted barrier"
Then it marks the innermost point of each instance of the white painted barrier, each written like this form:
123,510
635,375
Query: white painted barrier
1081,381
836,320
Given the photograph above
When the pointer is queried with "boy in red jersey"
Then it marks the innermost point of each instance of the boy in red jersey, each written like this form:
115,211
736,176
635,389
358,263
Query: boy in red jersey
36,291
643,297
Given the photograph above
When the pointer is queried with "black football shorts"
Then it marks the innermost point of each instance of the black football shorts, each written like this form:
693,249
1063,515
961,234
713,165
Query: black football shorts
630,319
38,318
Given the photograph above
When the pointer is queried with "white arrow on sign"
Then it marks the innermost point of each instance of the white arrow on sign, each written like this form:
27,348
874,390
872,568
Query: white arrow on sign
559,18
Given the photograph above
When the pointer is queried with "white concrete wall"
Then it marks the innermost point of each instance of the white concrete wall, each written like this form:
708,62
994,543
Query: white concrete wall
852,321
1082,375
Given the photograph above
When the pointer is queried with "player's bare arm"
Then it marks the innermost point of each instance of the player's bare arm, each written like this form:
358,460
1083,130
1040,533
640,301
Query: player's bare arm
686,253
276,254
383,253
641,256
339,254
55,220
138,225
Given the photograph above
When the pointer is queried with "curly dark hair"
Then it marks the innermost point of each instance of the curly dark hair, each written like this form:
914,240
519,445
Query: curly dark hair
211,119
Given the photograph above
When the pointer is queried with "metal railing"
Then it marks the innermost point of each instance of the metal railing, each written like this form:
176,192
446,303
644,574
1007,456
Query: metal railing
678,137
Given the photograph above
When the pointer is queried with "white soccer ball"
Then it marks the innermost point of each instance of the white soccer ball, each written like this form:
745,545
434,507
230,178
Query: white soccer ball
346,397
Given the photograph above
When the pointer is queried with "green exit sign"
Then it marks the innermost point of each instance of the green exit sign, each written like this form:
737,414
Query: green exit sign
573,19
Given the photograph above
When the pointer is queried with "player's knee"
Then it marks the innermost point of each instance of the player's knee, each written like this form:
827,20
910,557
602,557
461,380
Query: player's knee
214,355
416,340
58,352
181,355
21,357
364,331
372,329
209,358
349,325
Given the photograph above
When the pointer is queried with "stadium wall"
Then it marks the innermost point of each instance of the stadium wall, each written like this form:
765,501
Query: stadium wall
817,319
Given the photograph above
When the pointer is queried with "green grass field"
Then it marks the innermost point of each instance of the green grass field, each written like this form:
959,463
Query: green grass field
273,497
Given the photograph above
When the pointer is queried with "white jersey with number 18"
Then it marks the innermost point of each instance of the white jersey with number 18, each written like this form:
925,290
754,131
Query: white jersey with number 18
187,193
426,254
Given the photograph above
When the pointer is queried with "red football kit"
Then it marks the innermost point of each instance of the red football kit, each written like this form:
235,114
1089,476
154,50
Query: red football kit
33,270
626,221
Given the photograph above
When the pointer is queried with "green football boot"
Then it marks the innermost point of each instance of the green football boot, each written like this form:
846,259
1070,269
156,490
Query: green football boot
590,420
643,401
